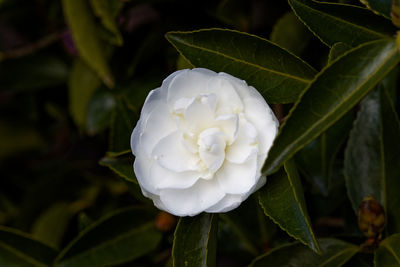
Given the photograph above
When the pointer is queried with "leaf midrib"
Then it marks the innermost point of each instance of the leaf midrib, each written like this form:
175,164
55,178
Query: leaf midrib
342,20
218,53
322,119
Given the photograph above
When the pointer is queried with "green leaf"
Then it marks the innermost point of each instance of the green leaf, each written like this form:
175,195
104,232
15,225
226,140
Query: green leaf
52,224
282,199
39,71
317,159
277,74
121,166
120,237
334,23
102,9
18,249
372,154
122,123
337,50
83,28
335,90
388,252
382,7
99,111
195,241
81,85
290,34
334,253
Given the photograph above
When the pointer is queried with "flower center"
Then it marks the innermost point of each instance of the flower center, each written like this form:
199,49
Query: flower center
211,146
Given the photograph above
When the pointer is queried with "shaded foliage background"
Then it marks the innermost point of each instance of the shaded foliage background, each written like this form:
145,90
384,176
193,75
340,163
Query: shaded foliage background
73,77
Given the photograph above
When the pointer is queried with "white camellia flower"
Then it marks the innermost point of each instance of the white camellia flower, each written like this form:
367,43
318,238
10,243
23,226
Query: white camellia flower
201,141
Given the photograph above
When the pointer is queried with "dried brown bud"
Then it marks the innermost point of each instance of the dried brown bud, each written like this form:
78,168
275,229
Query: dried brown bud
371,217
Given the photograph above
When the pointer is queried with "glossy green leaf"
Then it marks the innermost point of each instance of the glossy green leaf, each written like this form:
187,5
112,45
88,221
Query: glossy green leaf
103,10
195,241
334,23
277,74
121,166
39,71
334,253
336,89
99,111
18,249
290,33
120,237
388,252
371,156
282,199
382,7
51,225
81,85
82,24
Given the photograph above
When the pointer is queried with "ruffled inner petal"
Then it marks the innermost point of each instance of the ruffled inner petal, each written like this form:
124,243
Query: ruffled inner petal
212,148
229,124
237,178
193,200
171,153
245,144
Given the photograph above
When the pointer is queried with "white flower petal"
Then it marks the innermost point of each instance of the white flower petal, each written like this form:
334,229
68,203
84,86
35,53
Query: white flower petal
238,178
212,148
229,124
188,84
245,144
229,202
193,200
229,101
142,167
154,128
199,115
264,120
168,179
171,153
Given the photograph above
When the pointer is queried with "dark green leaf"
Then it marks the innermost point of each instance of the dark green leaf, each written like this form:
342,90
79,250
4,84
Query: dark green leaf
38,71
335,91
388,253
102,9
282,199
99,111
121,166
316,160
278,75
52,224
195,241
120,237
82,83
83,28
334,253
290,34
337,50
382,7
334,23
122,123
371,156
18,249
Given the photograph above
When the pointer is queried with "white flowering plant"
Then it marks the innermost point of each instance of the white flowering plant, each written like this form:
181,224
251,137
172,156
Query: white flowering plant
228,133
